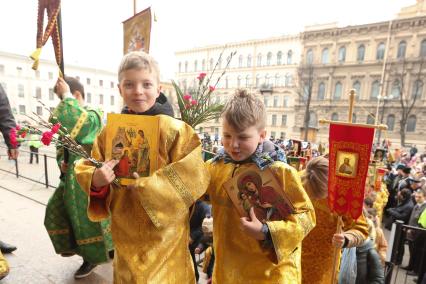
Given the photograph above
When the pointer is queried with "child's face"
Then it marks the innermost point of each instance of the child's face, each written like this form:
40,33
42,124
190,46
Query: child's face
139,89
240,145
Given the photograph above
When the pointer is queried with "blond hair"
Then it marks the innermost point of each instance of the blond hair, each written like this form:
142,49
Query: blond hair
244,110
138,60
315,178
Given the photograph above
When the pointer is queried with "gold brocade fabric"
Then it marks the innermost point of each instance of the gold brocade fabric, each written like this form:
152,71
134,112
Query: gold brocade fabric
381,201
240,258
150,224
4,267
317,249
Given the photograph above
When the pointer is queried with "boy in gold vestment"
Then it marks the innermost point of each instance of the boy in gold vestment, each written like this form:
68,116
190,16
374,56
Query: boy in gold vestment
246,250
150,219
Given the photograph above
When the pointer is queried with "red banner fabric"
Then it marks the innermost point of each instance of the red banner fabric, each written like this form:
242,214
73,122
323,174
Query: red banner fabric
349,154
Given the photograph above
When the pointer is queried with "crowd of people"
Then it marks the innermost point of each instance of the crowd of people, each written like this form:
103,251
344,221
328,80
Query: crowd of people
155,227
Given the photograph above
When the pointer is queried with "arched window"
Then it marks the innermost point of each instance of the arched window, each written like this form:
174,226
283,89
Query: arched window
211,63
240,61
417,89
268,58
249,60
370,119
277,80
309,57
186,66
396,90
337,91
195,66
321,91
248,81
380,54
375,90
259,59
203,65
411,123
279,57
360,53
334,116
290,57
353,117
239,81
402,47
267,79
313,121
324,56
180,67
423,48
342,54
390,122
257,80
357,87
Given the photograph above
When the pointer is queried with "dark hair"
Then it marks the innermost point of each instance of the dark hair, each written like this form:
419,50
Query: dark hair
369,202
75,85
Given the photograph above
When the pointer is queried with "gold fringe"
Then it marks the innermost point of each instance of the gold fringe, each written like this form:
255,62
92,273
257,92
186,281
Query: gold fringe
36,54
35,65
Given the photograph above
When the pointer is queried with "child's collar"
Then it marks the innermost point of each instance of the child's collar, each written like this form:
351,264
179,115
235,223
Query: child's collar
259,157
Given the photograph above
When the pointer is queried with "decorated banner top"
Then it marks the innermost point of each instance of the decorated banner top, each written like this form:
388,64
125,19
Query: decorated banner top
137,32
349,155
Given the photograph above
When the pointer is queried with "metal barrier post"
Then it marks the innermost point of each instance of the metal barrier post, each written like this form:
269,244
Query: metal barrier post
45,171
16,167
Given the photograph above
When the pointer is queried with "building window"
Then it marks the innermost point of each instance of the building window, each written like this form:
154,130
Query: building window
402,47
342,54
380,54
88,81
285,102
112,85
335,116
321,91
186,66
101,99
259,59
101,83
370,119
396,90
313,121
267,79
257,80
288,80
324,56
248,81
275,101
290,57
337,91
282,135
89,98
274,120
39,110
279,57
265,101
422,49
239,81
112,102
268,58
51,94
309,57
411,123
1,69
417,89
357,87
277,80
249,60
305,92
38,93
21,93
211,63
195,66
354,117
50,75
375,90
390,122
21,109
203,65
360,53
240,61
284,120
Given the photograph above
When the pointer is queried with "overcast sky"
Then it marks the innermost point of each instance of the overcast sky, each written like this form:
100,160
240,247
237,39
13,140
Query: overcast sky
93,32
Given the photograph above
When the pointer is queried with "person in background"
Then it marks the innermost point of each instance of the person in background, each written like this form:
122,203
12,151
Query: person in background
34,144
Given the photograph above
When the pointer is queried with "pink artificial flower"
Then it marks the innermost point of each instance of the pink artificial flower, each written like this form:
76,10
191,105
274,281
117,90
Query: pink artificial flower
46,138
201,76
12,138
23,134
187,97
211,88
193,102
18,127
55,128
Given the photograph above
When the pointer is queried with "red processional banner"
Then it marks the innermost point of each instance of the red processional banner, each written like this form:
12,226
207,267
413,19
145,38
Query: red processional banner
349,155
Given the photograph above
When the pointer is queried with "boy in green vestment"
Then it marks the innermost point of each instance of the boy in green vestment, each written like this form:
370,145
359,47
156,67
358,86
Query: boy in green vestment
66,218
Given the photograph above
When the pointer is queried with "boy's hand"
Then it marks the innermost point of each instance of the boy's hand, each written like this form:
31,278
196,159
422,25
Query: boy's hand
61,88
105,174
252,226
338,240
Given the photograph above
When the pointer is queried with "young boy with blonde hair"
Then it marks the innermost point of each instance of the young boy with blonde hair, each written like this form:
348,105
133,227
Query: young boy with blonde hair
246,250
150,219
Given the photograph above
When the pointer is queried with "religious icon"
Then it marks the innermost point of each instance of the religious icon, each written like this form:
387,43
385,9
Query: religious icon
379,155
347,164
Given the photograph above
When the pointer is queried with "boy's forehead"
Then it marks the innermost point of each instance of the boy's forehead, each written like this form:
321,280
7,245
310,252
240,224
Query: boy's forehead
139,73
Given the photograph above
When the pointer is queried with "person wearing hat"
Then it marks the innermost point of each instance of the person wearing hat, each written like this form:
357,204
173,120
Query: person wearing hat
404,181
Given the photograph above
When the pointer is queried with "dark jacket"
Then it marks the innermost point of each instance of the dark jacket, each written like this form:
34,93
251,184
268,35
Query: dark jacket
369,268
201,210
7,121
402,211
161,106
